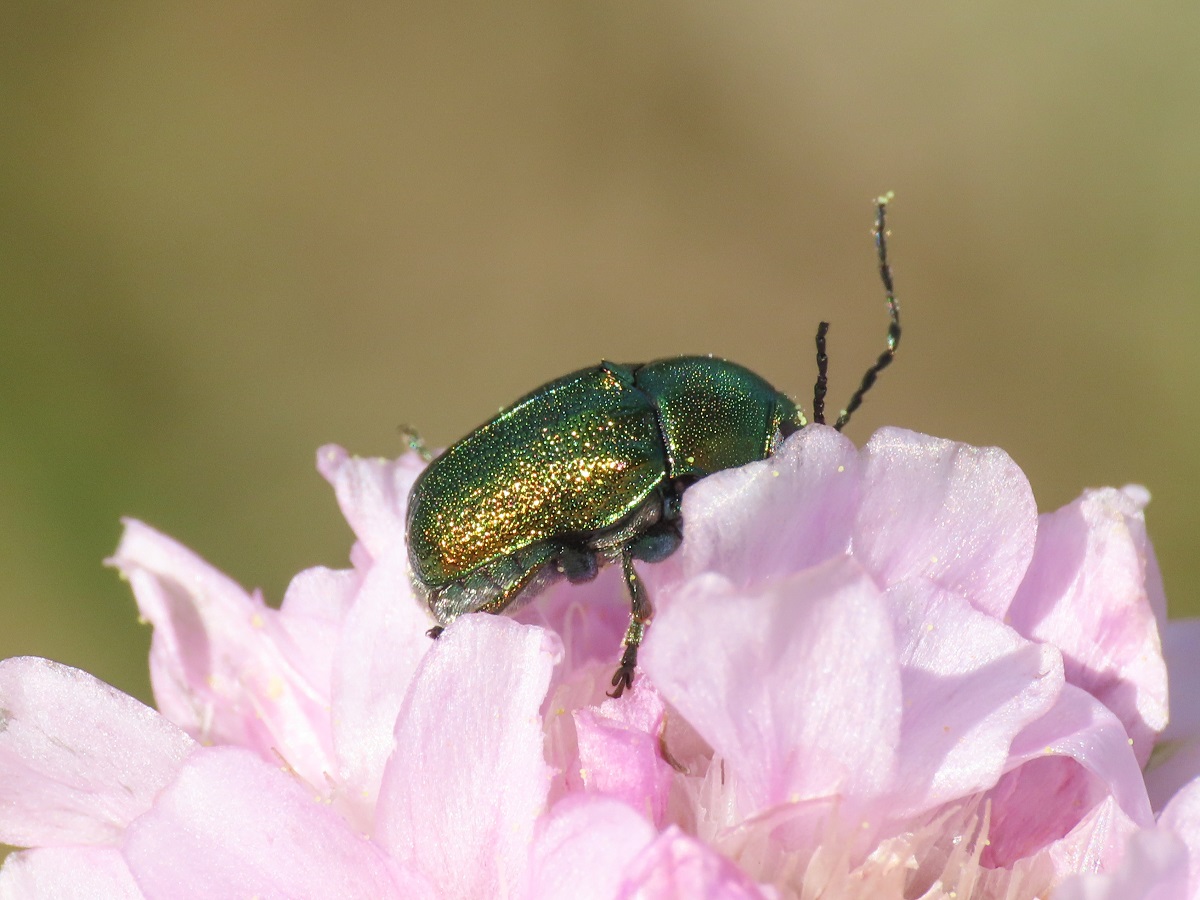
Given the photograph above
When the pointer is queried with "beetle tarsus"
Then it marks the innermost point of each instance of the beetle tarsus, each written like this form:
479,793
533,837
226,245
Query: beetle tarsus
435,632
623,677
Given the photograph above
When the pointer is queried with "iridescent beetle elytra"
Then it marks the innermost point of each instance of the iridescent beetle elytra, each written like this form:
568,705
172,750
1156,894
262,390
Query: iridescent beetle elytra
590,469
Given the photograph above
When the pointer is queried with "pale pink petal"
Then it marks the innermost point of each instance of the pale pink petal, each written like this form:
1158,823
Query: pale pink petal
590,618
313,611
78,759
1154,867
1182,818
1154,585
772,518
580,690
1172,765
383,641
373,494
963,517
1160,863
1061,766
582,848
1181,648
1081,728
795,684
233,826
585,688
1176,757
467,780
1085,593
619,752
1036,805
970,685
67,873
679,867
1096,844
220,659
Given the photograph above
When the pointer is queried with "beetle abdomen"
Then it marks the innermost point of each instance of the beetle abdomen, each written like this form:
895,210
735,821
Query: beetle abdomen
492,586
574,458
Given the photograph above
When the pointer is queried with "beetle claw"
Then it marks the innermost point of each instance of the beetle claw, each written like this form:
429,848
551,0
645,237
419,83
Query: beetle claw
621,679
435,632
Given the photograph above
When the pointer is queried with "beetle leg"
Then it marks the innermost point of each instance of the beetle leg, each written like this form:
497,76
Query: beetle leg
435,632
663,538
658,543
577,565
640,612
415,442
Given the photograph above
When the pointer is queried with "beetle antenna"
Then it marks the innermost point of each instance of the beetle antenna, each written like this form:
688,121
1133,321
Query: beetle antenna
822,384
893,335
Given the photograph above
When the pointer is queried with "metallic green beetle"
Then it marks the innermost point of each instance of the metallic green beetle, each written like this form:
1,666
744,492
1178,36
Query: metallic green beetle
591,468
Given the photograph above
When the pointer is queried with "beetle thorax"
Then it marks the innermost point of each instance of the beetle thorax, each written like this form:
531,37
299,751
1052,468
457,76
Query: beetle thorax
714,414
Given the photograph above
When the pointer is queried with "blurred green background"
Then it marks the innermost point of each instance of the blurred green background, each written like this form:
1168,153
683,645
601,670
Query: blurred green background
233,232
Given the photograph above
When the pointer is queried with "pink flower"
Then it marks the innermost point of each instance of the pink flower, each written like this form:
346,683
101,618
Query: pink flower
872,673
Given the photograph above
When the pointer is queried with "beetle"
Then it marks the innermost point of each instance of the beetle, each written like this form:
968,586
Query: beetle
590,469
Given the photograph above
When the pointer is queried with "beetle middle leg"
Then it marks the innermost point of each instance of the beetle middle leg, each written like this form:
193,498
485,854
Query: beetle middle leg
640,612
653,545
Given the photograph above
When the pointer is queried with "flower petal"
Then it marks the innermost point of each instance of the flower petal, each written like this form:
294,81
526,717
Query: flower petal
970,684
963,517
581,849
382,643
1061,766
1095,844
795,684
78,759
67,873
1176,757
772,518
233,826
1182,818
1172,765
1086,593
467,779
619,750
1181,649
220,659
314,608
679,867
373,494
590,618
1154,867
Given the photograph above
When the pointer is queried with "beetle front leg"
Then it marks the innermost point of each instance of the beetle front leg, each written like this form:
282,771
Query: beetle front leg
639,617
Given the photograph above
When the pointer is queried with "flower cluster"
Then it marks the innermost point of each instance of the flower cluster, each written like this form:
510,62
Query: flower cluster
872,673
